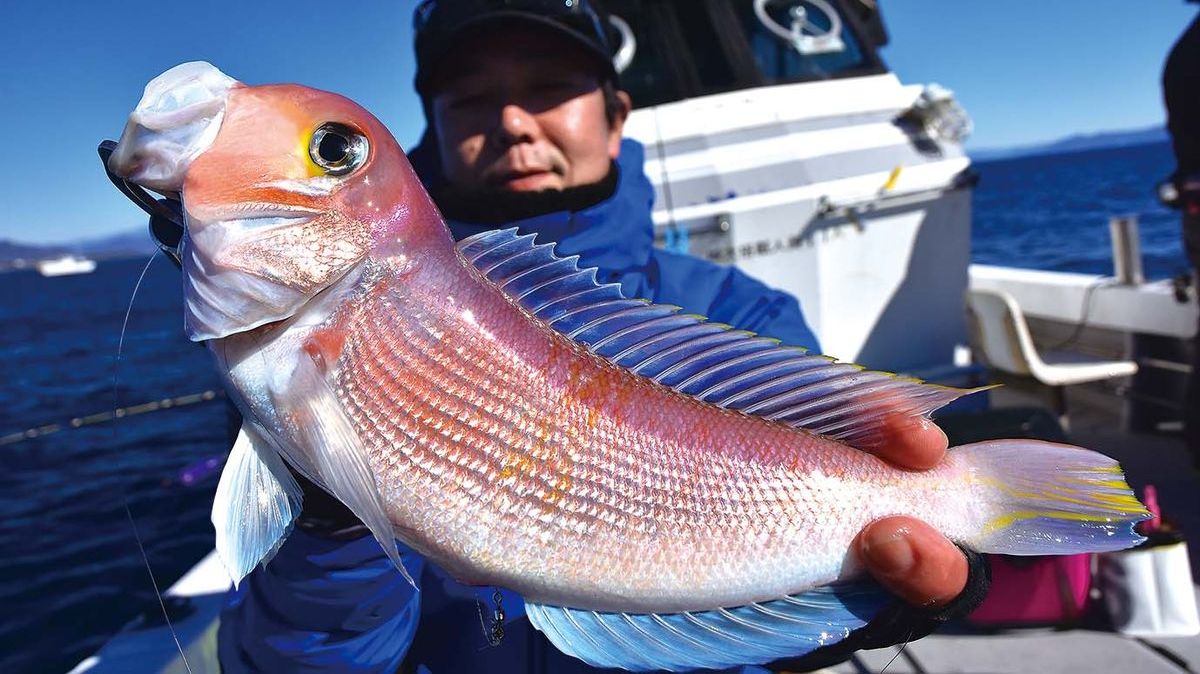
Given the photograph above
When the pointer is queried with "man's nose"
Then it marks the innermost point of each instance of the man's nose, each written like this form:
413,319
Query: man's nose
517,125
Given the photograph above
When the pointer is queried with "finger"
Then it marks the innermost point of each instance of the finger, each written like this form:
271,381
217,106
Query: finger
914,443
913,561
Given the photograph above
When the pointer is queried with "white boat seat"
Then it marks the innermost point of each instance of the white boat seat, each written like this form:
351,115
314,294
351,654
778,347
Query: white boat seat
1064,368
1004,343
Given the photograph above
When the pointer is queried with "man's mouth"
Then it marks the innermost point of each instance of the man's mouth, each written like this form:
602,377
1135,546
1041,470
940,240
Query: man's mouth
525,168
525,179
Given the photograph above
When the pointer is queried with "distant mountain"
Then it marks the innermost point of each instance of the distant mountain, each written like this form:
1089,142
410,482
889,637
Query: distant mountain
13,250
1078,143
124,244
132,243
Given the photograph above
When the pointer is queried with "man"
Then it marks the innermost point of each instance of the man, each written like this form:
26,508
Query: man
525,129
1181,93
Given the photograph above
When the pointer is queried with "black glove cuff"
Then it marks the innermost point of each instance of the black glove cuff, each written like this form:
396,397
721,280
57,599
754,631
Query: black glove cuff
979,581
901,622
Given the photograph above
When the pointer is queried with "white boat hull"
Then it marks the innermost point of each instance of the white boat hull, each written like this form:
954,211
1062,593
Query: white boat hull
66,266
815,189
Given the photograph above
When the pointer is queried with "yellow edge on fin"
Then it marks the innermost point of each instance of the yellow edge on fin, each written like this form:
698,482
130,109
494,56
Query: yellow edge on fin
1122,503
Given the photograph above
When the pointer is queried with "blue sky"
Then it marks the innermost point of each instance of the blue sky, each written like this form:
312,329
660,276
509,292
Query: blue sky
1026,70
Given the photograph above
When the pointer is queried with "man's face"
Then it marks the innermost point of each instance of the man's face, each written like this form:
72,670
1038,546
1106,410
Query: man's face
521,109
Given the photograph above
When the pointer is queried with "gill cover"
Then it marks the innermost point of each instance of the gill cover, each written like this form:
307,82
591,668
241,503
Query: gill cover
237,275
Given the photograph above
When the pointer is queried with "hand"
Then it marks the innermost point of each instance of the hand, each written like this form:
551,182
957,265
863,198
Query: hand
907,556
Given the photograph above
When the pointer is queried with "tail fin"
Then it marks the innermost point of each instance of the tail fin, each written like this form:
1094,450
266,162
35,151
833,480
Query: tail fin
1051,499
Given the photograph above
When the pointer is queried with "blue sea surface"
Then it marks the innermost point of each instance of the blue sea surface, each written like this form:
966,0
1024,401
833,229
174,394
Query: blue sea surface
1051,212
70,571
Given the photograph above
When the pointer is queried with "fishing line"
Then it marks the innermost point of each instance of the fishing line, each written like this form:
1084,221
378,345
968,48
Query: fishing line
106,416
125,497
660,144
901,651
1085,311
896,655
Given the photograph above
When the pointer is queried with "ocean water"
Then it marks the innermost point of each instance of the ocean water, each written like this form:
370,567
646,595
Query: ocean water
1052,212
71,573
70,570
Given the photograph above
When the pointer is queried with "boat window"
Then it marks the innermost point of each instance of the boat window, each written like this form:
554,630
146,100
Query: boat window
825,43
709,50
688,48
653,77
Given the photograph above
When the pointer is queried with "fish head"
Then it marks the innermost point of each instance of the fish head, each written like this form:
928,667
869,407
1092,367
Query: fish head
285,190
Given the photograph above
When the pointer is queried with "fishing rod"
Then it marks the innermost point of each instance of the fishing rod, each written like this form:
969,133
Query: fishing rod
111,415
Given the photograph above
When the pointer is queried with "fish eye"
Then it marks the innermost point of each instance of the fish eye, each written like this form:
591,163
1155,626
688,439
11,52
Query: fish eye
338,148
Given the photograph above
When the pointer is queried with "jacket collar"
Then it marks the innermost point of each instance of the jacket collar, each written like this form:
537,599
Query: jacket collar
616,235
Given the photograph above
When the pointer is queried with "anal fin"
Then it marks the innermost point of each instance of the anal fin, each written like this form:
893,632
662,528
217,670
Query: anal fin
752,634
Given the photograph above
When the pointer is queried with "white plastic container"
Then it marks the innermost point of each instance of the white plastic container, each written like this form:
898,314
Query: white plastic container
1149,590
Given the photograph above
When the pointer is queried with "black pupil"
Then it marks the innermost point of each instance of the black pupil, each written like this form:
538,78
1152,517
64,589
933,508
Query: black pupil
334,148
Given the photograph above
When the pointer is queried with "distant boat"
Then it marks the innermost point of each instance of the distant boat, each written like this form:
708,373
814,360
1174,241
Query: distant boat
67,265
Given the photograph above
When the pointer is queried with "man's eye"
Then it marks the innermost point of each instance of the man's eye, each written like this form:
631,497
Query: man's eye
467,101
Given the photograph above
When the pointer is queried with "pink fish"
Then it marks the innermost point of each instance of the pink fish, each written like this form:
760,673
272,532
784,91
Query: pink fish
664,492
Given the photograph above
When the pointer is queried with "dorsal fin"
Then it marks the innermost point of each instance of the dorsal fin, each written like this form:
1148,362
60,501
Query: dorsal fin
710,361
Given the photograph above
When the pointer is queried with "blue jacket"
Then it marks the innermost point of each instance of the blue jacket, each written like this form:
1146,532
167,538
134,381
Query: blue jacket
324,605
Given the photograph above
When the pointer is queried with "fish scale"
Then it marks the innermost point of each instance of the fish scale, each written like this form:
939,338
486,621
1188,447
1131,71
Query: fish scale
443,386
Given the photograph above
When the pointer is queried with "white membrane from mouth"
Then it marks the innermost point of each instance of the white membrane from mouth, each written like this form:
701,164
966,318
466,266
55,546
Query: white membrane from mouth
176,120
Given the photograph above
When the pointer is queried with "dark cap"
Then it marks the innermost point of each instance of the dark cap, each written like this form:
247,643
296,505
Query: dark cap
439,24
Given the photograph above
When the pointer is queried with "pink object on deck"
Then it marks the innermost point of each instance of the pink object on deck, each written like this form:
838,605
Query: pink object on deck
1150,498
1029,591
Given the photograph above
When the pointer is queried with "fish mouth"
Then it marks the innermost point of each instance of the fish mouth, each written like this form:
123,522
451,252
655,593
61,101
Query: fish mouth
176,120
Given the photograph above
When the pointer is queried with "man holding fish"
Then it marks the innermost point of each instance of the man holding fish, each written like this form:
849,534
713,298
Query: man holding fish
654,490
525,129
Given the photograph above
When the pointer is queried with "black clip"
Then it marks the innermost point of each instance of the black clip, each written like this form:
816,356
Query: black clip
493,632
166,215
1180,285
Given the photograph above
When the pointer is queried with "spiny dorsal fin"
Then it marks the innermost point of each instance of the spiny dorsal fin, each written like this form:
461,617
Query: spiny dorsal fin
710,361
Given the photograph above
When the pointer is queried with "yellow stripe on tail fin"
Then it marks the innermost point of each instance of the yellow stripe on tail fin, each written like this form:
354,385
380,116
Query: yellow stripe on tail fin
1050,499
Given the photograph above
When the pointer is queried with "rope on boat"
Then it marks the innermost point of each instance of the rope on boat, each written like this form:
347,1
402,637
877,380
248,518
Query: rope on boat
110,415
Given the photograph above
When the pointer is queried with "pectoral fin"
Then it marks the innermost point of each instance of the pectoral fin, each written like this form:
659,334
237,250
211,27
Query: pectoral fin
256,501
316,420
